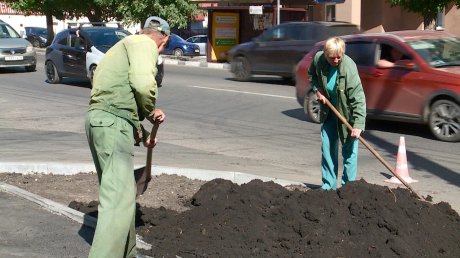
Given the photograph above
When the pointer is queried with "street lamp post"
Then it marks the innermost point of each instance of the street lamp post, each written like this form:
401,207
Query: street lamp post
277,12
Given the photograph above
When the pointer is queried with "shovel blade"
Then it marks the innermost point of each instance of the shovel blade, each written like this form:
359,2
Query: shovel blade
142,180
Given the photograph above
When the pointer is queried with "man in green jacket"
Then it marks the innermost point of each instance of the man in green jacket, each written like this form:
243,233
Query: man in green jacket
124,93
333,75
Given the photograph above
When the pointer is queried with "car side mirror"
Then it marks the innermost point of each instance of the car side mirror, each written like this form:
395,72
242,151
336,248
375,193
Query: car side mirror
405,63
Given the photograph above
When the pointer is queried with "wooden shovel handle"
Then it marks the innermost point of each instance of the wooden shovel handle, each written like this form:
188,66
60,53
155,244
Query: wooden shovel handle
148,163
372,150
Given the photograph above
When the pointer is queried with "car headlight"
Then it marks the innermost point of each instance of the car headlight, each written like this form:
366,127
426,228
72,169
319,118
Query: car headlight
29,48
185,46
43,39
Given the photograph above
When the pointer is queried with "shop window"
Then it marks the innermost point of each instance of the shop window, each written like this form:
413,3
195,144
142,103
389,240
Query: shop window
330,12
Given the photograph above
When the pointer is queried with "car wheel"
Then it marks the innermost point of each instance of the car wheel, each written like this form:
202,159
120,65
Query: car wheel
92,70
444,120
242,69
311,107
31,68
178,52
35,43
52,74
288,80
160,75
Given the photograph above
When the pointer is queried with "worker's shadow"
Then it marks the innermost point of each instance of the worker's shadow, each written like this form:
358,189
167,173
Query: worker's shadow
87,232
87,229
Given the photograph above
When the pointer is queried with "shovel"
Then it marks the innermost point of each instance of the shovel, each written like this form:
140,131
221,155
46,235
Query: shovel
143,175
369,147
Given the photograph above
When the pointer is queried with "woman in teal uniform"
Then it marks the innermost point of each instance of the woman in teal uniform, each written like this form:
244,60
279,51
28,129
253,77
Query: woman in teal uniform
334,76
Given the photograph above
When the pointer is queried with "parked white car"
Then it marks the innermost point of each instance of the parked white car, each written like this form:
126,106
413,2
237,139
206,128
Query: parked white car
201,41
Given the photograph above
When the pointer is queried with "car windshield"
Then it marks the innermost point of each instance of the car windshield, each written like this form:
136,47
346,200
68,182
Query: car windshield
439,52
41,31
106,38
6,31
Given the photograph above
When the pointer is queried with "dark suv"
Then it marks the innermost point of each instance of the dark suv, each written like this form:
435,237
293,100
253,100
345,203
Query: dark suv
37,36
278,50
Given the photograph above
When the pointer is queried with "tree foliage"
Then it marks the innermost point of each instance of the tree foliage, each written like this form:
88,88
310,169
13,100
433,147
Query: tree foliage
61,9
427,8
176,12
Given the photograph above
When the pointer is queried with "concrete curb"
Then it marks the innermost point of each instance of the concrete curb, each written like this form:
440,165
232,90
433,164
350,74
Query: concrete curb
75,168
171,61
204,64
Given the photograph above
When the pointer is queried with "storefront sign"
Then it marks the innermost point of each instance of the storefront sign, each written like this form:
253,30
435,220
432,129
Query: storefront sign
225,33
254,9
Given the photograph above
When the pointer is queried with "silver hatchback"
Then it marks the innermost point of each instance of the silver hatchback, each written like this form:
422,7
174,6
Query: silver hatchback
14,50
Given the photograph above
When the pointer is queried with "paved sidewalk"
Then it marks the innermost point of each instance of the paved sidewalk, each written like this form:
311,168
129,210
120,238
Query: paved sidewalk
28,230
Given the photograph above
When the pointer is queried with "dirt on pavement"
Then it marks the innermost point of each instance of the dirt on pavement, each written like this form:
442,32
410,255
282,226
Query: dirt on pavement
169,191
258,219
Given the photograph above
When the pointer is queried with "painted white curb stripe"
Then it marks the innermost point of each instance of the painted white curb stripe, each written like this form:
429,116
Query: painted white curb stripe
244,92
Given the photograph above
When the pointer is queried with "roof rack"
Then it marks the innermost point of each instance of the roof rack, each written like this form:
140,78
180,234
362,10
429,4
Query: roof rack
94,24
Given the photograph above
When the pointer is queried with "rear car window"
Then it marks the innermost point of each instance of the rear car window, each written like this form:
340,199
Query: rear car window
61,38
363,53
302,32
106,37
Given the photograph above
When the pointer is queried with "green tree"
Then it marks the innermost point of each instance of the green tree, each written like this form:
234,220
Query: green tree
61,9
177,12
427,8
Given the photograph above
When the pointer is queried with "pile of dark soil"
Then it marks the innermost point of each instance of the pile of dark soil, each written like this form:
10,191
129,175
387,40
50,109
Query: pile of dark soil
267,220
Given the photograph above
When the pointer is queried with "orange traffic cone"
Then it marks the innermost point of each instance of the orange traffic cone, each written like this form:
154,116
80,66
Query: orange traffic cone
401,165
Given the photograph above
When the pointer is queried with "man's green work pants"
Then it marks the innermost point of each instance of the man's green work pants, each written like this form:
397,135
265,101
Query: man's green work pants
329,155
111,142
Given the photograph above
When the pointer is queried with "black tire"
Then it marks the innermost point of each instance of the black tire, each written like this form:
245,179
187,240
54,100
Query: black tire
31,68
35,43
52,75
178,52
92,70
241,69
444,120
160,75
311,107
288,80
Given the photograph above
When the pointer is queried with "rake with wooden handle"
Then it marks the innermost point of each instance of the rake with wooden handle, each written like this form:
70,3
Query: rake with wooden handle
372,150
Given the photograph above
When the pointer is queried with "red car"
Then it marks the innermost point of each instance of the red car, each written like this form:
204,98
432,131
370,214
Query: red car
422,85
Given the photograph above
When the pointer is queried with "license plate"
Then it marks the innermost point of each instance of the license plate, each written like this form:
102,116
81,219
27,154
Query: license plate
14,58
196,50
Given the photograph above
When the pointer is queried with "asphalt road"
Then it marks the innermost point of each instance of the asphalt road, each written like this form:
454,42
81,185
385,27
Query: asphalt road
213,122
